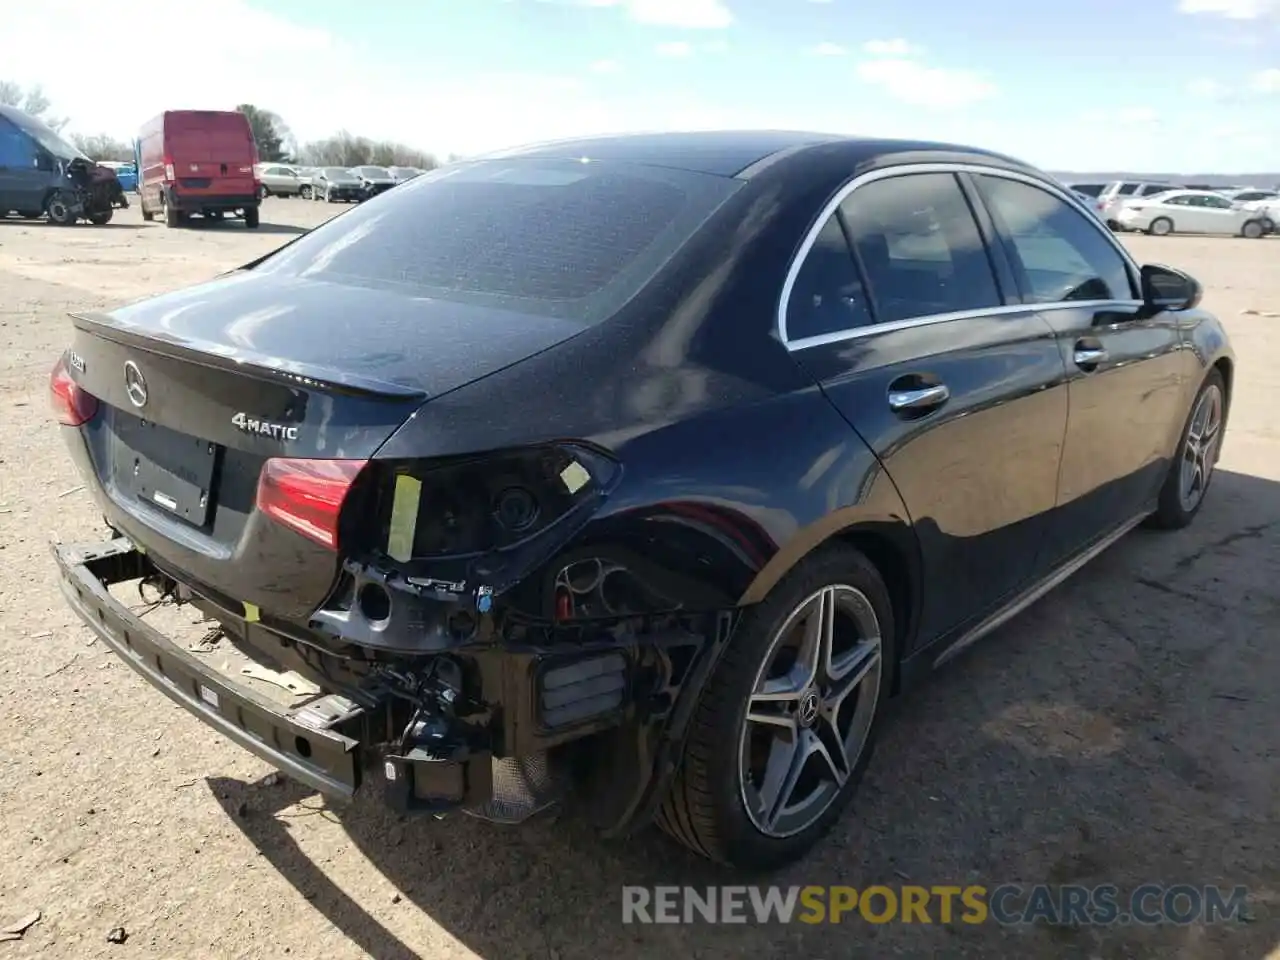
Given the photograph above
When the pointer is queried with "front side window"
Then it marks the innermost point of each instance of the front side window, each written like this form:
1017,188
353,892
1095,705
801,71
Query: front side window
827,296
1063,255
919,247
17,150
1153,188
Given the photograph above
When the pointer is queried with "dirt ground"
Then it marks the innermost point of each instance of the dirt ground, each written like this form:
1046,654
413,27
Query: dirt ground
1122,730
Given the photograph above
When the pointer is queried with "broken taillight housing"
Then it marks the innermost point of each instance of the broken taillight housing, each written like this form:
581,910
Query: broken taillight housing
72,404
307,495
462,506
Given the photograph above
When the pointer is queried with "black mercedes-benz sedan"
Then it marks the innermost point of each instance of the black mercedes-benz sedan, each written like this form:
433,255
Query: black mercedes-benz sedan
639,472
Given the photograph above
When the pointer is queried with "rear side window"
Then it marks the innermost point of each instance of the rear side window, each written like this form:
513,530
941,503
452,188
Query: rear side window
566,238
1126,189
1089,189
827,296
1062,252
1152,188
919,247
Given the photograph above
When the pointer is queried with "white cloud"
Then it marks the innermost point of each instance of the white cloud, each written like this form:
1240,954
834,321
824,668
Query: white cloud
1266,81
1232,9
828,50
674,48
912,82
1120,117
890,48
606,66
1206,88
686,14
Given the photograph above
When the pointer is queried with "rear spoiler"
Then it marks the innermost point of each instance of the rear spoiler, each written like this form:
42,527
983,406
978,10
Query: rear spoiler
264,368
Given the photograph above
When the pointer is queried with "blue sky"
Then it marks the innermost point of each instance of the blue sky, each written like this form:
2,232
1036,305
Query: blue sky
1178,85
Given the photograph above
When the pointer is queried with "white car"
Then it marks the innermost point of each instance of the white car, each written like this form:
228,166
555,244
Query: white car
1191,211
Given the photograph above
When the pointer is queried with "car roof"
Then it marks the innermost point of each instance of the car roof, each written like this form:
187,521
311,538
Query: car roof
726,153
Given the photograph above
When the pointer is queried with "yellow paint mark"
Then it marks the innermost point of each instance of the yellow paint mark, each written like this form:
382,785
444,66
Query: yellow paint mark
575,476
250,613
404,517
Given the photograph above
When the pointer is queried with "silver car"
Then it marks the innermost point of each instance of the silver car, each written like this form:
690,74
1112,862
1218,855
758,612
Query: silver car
277,180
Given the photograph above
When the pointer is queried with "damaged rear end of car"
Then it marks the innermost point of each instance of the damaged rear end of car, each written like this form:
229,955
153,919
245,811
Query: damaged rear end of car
469,642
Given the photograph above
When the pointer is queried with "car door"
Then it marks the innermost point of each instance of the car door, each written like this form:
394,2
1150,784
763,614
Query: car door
1126,366
897,311
22,184
1220,214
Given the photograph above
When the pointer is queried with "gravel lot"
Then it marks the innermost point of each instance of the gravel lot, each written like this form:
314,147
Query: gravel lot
1122,730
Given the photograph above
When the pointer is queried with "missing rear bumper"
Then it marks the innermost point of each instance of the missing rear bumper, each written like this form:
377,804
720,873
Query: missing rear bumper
324,759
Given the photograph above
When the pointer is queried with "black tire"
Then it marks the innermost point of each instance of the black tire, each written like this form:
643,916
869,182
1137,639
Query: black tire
263,191
147,215
1173,512
305,192
251,217
59,210
1253,230
704,808
172,216
1160,227
101,218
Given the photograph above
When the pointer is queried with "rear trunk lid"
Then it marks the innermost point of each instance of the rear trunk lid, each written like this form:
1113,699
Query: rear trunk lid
195,397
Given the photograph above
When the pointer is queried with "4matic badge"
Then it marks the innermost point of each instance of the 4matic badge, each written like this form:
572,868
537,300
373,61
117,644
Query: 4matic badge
264,428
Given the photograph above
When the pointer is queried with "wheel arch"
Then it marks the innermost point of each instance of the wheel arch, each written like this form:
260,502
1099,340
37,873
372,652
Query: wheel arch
888,542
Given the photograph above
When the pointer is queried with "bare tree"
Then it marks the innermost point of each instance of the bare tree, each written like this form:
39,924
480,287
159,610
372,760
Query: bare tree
31,100
103,147
345,149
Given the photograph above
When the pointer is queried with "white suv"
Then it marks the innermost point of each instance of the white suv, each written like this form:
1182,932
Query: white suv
1118,192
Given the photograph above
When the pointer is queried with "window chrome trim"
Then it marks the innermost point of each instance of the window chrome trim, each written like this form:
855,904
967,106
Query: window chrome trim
1062,193
874,329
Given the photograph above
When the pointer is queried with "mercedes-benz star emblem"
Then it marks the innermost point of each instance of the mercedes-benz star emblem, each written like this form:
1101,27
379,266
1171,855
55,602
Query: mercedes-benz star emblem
808,709
135,384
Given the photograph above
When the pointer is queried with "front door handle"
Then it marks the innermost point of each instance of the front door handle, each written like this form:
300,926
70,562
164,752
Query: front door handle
1089,356
922,399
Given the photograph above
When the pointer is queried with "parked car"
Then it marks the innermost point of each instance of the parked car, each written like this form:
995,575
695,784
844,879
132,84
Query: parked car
305,177
198,162
1192,211
1093,204
654,493
374,180
1117,192
1088,189
334,184
401,174
41,174
277,180
126,173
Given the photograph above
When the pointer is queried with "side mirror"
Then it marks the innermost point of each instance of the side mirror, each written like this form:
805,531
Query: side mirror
1164,288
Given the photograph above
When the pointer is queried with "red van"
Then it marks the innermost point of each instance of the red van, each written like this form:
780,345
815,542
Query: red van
198,161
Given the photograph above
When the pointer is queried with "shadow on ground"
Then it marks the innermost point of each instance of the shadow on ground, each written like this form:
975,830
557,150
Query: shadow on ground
1120,731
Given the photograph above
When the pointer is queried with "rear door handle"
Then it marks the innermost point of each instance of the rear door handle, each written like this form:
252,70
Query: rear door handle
921,399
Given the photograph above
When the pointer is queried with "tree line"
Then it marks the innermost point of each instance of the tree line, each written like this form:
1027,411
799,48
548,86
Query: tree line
276,143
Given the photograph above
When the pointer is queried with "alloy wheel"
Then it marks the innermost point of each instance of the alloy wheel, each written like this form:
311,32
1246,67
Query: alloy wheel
1200,452
810,710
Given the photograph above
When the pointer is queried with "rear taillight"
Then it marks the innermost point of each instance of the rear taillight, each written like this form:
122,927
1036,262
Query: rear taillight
169,173
307,495
72,405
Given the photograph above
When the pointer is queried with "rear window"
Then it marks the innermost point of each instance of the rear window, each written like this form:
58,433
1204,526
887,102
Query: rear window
570,239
